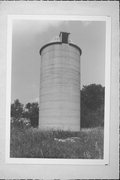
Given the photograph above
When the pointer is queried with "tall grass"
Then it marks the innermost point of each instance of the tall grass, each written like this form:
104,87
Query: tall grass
33,143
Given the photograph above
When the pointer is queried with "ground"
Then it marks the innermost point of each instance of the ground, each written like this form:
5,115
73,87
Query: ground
33,143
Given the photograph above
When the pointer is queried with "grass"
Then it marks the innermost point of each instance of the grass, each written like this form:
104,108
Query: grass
33,143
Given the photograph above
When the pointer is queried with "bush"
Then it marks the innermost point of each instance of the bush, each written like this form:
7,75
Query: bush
20,123
92,118
92,106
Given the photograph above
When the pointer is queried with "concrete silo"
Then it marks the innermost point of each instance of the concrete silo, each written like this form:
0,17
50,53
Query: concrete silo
60,85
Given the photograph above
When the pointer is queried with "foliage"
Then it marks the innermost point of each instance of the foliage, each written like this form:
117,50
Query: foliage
20,124
32,113
92,118
22,117
92,96
16,113
33,143
16,109
92,106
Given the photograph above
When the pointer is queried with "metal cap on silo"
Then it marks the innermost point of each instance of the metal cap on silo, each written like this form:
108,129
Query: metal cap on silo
64,37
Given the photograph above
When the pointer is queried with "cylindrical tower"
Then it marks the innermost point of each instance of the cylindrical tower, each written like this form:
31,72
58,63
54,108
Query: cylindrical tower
60,85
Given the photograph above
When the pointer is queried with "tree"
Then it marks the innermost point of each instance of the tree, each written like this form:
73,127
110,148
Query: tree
92,106
16,114
32,113
92,96
16,109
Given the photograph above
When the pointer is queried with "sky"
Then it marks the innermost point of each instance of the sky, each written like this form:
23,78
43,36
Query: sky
28,36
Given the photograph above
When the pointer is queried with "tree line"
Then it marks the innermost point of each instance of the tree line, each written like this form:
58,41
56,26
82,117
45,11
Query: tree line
92,109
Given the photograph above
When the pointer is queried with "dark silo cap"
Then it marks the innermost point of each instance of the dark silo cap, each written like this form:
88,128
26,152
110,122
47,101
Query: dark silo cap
64,38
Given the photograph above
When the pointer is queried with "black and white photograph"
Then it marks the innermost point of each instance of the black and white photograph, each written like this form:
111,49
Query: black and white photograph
58,89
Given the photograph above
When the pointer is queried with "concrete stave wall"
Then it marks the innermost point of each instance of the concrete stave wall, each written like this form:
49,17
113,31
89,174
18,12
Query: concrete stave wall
60,88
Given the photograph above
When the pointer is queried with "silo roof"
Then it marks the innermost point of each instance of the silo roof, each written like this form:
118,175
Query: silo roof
59,42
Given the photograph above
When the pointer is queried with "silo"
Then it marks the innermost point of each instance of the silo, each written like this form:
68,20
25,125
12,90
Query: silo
60,85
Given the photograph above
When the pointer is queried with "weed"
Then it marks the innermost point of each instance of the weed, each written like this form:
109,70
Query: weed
33,143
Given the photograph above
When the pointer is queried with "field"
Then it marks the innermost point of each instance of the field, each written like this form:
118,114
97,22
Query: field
33,143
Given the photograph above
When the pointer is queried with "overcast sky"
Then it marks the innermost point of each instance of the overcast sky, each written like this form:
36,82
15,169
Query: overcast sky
28,36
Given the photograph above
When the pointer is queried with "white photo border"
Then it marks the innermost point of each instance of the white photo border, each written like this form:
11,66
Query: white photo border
105,160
